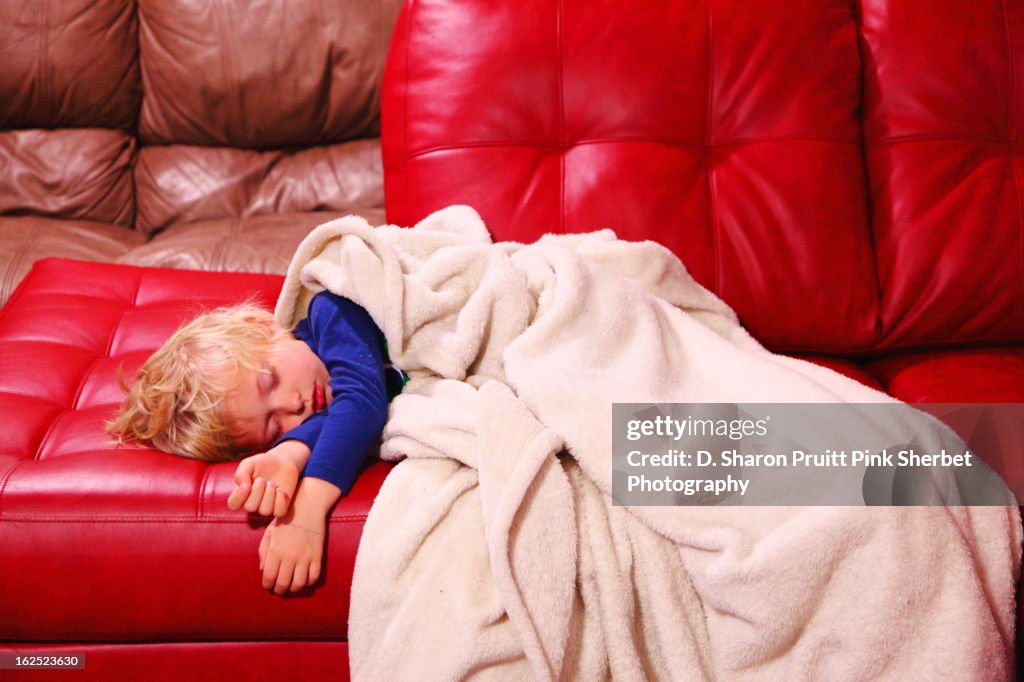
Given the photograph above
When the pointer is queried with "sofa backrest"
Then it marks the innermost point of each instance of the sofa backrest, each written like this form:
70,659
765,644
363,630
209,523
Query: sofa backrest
233,90
943,83
69,99
145,113
843,174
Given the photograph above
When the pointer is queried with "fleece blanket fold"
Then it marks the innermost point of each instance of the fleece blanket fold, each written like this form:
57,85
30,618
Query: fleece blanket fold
493,550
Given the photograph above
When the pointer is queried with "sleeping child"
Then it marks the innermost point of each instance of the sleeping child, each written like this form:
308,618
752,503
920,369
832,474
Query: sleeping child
310,402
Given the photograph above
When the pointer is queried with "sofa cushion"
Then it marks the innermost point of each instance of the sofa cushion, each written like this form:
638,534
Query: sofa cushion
257,244
697,126
992,375
983,375
261,75
80,174
26,239
69,64
146,534
184,183
849,368
942,93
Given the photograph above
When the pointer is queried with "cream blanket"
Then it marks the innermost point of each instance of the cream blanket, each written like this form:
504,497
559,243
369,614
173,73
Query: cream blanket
493,550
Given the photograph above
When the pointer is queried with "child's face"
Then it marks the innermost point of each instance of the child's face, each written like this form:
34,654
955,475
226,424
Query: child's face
292,386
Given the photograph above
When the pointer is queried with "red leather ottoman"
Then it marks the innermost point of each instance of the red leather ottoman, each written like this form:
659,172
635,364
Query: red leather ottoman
131,555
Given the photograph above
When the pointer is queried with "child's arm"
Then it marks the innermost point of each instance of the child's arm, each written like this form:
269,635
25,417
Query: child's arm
346,339
349,344
292,548
264,483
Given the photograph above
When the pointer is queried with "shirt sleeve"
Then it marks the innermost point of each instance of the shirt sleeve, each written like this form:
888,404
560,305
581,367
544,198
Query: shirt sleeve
346,339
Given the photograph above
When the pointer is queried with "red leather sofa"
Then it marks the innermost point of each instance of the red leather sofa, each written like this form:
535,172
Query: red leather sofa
844,174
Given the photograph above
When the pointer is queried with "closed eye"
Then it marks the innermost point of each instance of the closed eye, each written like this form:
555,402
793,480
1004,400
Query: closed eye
268,379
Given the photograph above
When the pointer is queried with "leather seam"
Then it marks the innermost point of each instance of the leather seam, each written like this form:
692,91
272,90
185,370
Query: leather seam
95,450
44,342
559,10
3,482
63,297
405,113
936,137
32,397
113,332
228,66
49,430
44,48
667,142
138,287
869,215
873,353
82,380
713,213
202,493
120,318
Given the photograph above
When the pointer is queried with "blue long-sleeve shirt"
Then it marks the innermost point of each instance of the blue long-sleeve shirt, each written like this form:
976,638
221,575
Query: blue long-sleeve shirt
345,338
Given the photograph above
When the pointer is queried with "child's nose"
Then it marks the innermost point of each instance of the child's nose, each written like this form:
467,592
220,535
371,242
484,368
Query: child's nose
291,407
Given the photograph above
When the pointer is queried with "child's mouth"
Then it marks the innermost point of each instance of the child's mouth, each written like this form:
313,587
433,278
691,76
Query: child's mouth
318,397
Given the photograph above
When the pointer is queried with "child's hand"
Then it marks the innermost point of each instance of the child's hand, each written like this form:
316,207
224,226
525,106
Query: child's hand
291,552
264,483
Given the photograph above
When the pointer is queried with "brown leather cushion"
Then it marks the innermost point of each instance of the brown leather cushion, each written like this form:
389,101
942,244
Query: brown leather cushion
71,63
261,75
256,244
183,183
81,174
24,240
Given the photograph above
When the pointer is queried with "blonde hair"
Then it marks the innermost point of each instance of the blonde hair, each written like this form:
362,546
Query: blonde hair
176,402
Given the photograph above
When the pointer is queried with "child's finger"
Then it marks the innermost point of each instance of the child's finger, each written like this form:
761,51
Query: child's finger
284,577
267,503
314,571
259,486
238,495
299,578
243,484
244,471
281,503
270,570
